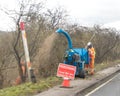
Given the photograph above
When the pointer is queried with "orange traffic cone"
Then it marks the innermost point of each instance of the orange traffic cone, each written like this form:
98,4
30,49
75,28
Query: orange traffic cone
66,83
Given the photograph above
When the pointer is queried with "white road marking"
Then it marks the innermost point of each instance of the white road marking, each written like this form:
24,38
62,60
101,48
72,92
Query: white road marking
101,86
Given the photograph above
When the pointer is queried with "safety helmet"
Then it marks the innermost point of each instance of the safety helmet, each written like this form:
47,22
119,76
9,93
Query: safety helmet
89,45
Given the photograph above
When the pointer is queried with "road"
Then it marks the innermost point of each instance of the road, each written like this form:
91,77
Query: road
109,88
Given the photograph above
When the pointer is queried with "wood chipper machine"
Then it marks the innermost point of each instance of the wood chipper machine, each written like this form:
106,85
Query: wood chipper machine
75,56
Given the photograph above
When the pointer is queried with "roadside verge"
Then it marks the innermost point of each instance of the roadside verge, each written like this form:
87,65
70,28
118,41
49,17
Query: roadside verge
79,85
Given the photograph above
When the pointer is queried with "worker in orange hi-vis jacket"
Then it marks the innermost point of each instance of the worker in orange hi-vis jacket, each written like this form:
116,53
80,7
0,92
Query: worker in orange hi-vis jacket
91,52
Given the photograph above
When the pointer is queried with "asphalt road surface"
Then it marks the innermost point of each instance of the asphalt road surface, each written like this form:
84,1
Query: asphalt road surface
109,88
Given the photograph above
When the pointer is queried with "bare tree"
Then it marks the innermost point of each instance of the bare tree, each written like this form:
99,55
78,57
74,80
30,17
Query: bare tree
29,13
105,41
56,17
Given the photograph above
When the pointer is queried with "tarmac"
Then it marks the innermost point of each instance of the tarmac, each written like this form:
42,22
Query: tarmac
78,85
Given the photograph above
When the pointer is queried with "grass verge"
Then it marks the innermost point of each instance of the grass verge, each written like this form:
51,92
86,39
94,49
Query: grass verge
29,89
104,65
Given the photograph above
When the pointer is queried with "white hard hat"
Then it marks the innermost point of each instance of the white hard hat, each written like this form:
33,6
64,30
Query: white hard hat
89,43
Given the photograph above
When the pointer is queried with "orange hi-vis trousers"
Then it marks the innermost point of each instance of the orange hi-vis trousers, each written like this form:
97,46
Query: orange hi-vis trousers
90,67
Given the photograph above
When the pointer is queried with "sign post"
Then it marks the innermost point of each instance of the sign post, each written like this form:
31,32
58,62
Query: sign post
29,69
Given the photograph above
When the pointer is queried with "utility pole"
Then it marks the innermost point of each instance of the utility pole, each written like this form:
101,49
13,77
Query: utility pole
31,75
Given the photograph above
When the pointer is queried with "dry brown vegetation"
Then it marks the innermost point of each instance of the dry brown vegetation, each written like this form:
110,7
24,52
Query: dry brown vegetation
47,47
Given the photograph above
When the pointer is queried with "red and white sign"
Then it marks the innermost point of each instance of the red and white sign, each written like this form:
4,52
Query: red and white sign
66,71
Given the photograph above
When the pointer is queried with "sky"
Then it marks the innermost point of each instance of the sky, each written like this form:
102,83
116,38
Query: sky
85,12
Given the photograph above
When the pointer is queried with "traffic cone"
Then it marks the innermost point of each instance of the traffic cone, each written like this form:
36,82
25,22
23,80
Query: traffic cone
66,83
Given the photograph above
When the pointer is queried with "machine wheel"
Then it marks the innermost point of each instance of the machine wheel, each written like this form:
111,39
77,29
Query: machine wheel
82,74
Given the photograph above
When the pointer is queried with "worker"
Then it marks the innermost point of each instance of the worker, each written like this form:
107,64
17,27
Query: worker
91,52
18,79
23,66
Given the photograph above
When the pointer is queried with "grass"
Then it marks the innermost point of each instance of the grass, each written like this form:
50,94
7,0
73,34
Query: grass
105,65
28,89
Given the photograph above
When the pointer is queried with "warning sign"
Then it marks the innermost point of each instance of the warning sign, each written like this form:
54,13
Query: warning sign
65,70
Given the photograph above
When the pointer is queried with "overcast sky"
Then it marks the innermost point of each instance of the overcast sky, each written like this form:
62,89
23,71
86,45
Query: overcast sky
86,12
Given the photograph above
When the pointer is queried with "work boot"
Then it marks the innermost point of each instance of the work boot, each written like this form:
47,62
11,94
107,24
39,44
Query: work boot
91,73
